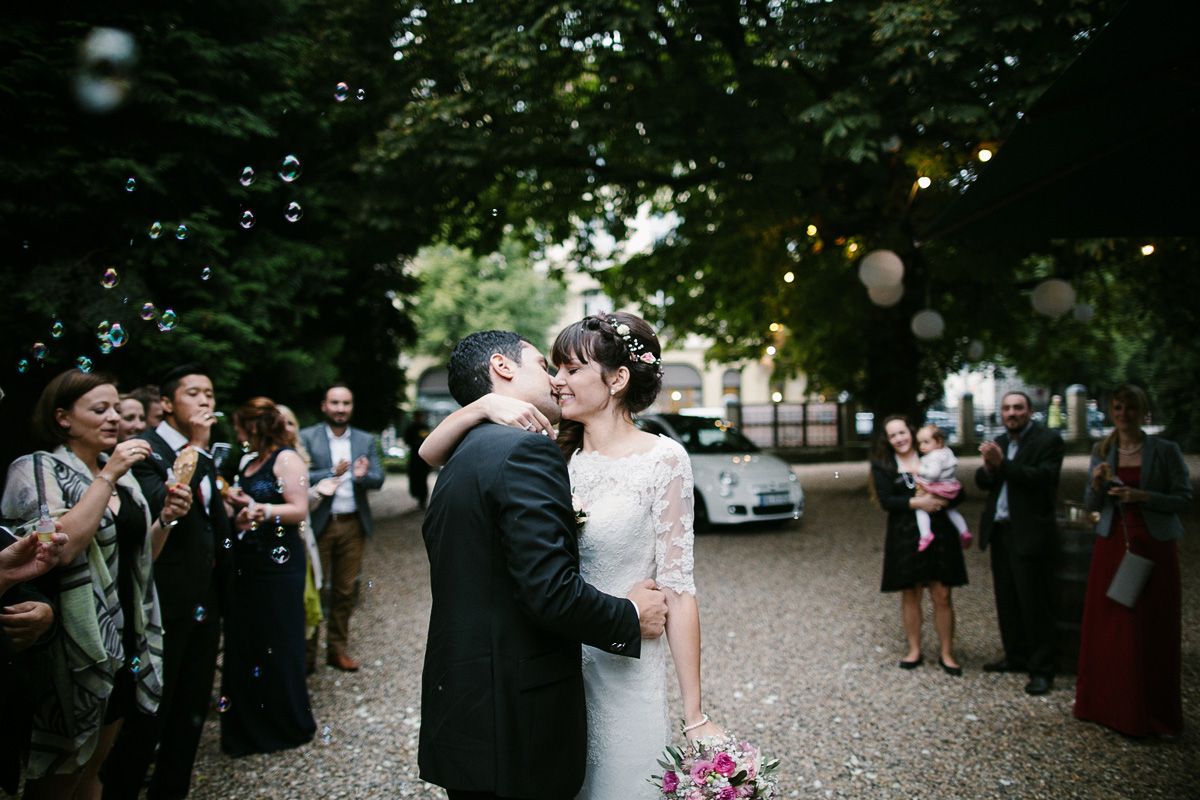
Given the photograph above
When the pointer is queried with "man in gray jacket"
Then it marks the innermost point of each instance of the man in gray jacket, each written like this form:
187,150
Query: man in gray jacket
342,521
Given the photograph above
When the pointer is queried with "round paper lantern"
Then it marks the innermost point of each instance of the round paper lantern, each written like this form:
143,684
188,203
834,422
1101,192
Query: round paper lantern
1084,312
975,350
928,324
885,296
1053,297
880,268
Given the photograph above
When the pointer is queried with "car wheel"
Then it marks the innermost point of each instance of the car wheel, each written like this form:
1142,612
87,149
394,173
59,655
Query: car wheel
702,522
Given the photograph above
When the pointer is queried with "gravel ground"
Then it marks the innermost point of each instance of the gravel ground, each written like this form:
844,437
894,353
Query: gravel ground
799,655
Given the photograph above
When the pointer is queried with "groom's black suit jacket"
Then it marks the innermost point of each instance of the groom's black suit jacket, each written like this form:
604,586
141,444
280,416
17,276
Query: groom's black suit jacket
502,705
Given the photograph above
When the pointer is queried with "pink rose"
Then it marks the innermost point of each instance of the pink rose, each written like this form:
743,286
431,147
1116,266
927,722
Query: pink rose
670,781
700,771
728,793
724,764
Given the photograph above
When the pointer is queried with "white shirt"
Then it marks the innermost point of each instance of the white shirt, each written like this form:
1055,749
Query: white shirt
177,441
1002,498
339,450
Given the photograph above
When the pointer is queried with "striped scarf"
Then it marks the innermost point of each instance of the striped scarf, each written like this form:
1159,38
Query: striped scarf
76,670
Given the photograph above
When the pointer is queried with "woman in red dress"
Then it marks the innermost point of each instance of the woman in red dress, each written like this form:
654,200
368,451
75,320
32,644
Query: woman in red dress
1129,658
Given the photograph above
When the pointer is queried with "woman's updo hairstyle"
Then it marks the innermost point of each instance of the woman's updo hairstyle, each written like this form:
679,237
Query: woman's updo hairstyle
263,425
613,341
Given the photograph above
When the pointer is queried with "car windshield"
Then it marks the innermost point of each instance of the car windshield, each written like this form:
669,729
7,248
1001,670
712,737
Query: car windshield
708,435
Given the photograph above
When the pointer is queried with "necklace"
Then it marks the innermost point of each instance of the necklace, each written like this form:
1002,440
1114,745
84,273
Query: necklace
1132,450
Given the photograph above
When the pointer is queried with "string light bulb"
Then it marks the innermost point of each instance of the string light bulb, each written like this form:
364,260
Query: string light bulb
771,350
985,155
1147,249
775,326
924,182
788,277
811,230
777,397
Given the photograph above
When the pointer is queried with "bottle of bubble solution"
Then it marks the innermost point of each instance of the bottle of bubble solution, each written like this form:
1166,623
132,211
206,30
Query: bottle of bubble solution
45,526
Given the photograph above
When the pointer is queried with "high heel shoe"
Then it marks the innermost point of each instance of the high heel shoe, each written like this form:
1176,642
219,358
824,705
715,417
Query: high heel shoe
912,664
949,670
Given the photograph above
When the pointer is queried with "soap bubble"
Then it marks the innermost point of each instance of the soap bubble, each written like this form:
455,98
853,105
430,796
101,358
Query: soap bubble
181,232
56,329
361,94
148,311
111,277
200,614
131,185
117,335
102,328
280,531
135,665
223,704
256,672
155,230
247,176
248,220
280,555
22,366
341,92
294,212
289,169
228,543
84,364
205,273
837,474
326,734
104,346
280,486
167,321
38,351
106,60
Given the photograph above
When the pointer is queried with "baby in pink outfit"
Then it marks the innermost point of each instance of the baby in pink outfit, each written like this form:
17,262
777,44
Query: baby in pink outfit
937,477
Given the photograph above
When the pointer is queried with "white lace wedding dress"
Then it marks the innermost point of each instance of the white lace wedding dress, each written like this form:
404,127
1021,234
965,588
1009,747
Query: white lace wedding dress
639,526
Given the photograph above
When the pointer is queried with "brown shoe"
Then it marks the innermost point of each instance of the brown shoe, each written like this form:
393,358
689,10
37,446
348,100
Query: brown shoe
343,662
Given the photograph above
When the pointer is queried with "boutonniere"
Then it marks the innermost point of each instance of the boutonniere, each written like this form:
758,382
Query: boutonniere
581,516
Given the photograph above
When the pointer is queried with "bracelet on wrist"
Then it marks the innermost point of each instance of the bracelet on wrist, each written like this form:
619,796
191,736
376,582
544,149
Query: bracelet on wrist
163,523
703,721
112,485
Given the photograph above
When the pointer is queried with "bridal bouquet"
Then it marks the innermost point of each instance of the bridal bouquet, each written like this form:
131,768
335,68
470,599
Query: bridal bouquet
717,769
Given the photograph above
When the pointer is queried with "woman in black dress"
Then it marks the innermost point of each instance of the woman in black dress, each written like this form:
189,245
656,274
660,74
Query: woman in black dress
264,700
905,570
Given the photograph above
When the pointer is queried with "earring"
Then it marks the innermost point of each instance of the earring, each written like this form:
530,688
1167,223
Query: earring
612,392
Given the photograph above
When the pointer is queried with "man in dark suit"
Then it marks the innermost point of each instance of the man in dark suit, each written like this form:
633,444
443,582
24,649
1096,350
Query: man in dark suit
188,575
342,522
1020,472
502,708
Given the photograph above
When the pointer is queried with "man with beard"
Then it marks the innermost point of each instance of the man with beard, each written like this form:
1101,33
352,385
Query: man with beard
1020,472
342,522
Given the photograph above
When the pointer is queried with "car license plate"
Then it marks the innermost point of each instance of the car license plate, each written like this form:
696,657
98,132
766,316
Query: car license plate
773,499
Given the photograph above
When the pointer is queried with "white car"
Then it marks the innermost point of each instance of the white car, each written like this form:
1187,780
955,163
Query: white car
735,481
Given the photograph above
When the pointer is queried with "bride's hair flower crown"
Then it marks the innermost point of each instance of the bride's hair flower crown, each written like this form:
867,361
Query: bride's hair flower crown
637,349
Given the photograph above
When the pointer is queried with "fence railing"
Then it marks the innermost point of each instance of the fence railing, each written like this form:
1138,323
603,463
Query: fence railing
791,425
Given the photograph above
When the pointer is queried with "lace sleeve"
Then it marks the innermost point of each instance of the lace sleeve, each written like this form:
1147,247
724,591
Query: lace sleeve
673,521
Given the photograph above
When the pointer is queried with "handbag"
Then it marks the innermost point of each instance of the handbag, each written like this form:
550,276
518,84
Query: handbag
1132,573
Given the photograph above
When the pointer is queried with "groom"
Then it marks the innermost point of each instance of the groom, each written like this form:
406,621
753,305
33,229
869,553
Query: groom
502,711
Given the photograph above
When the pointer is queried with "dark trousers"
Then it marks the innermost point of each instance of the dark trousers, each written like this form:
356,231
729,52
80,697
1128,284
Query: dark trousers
189,663
1024,603
455,794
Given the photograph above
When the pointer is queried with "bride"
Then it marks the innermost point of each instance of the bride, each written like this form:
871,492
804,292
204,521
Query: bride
635,490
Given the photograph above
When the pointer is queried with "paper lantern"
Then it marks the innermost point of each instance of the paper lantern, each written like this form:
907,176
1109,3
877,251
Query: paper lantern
928,324
1053,297
885,296
1084,312
975,350
880,268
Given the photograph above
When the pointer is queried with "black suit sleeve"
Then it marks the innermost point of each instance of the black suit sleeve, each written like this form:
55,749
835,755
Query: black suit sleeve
885,489
152,480
534,519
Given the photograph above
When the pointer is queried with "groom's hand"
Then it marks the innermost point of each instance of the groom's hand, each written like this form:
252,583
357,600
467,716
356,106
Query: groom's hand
652,608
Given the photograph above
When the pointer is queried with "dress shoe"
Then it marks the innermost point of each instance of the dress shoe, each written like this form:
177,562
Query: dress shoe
343,662
911,664
1003,665
1039,684
949,670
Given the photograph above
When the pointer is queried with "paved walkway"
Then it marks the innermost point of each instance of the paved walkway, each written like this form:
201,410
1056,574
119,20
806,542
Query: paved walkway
799,655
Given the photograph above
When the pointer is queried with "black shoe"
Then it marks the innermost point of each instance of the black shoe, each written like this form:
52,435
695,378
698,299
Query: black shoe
1003,665
911,664
1039,684
949,670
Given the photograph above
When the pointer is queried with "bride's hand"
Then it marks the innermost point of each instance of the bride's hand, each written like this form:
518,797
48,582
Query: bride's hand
709,730
515,413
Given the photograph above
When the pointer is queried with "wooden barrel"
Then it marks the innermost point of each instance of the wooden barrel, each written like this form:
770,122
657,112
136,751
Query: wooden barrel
1075,540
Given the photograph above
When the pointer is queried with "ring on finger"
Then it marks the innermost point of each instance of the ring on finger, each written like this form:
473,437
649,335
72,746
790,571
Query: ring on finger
529,427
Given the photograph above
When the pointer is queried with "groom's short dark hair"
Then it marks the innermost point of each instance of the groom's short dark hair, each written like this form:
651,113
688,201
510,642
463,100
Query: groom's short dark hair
470,376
